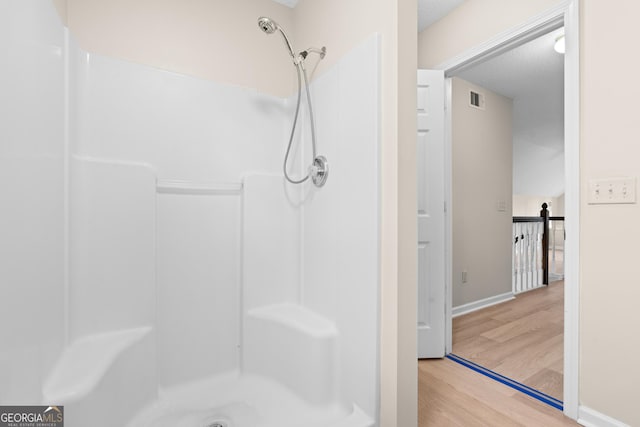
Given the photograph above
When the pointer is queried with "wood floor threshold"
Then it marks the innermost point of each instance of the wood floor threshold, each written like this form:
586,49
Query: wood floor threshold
522,388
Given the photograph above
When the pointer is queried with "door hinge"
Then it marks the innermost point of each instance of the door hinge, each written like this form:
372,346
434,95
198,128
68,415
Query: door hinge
445,207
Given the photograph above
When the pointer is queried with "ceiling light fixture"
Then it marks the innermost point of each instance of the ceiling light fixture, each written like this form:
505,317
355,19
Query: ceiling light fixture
559,45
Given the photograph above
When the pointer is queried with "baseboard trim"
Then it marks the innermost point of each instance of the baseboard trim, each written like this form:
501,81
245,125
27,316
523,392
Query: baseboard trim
591,418
480,304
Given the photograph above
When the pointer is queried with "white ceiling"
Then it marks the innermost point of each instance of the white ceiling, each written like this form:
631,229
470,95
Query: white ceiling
430,11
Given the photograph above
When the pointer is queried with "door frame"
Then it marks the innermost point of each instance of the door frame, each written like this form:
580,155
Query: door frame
565,13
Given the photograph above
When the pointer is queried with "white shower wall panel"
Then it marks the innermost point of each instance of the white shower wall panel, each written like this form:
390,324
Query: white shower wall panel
32,83
187,128
198,285
197,133
341,221
112,246
271,241
32,197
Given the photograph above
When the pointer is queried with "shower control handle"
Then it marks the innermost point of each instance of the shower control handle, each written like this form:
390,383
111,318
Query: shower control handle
319,171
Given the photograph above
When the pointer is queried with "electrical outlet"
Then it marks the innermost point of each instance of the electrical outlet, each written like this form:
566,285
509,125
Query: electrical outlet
464,276
612,191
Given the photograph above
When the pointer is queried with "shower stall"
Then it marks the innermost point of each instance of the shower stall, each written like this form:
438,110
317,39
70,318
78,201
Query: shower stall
156,266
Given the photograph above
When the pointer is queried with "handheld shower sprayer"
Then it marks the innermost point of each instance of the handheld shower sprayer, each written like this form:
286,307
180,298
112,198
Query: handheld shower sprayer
319,169
269,26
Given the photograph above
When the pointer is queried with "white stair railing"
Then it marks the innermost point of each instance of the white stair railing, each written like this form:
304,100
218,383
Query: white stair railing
527,262
538,250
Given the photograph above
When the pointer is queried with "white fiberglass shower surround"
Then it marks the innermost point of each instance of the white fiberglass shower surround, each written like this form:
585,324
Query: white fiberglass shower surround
156,267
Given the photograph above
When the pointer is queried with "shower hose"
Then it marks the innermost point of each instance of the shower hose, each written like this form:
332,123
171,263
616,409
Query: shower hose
301,72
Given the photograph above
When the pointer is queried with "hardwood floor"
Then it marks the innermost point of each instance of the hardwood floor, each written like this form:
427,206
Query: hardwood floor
452,395
521,339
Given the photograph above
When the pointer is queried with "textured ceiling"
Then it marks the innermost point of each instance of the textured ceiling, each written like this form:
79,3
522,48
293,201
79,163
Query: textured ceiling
533,76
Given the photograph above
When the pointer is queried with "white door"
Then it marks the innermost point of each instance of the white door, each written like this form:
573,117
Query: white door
431,211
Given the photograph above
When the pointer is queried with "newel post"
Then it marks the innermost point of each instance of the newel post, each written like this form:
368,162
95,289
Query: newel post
544,214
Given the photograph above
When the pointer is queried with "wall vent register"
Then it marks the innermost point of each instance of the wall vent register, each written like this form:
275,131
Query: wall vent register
476,100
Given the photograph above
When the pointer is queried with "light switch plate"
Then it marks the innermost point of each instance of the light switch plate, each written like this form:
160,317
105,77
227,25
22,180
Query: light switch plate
612,191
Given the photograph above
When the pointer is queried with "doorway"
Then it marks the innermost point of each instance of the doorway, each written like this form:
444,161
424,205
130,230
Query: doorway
566,15
507,158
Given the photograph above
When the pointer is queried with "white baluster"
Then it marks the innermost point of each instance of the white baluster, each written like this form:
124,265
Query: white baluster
513,258
534,251
553,247
521,260
525,267
519,257
530,250
539,270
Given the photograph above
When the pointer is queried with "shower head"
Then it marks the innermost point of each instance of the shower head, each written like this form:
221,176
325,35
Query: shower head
269,26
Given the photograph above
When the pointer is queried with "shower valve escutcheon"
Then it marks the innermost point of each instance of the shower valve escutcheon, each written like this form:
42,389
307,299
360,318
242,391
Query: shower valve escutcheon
319,171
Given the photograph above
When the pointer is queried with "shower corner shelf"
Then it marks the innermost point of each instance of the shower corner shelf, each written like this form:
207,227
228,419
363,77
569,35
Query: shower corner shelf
167,186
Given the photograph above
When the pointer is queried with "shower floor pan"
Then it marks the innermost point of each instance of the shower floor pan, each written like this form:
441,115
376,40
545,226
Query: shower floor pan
236,400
